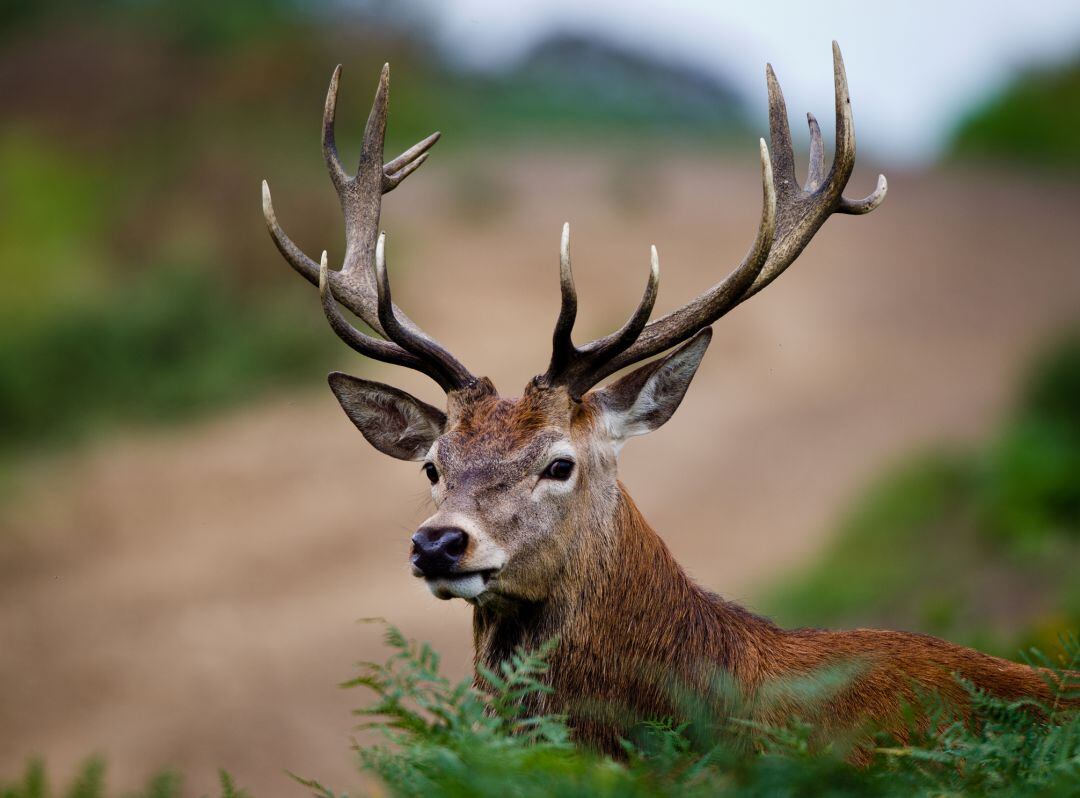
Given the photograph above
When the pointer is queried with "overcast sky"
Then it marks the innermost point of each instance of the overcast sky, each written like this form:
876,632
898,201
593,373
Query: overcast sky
912,66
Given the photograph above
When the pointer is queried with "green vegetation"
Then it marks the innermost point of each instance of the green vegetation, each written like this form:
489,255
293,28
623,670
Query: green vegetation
1034,120
90,783
447,739
980,547
171,345
104,322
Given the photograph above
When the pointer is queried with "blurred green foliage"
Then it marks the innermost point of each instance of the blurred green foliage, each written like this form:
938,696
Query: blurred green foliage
44,231
1029,481
200,24
106,319
170,345
1034,120
90,782
982,546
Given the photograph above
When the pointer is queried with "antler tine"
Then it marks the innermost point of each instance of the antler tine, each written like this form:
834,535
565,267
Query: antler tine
681,324
572,366
867,203
307,268
844,157
375,348
408,162
783,156
617,342
373,143
446,370
361,205
815,173
329,145
562,347
355,285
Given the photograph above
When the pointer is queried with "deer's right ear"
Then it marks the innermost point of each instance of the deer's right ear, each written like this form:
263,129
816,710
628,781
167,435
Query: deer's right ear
646,398
393,421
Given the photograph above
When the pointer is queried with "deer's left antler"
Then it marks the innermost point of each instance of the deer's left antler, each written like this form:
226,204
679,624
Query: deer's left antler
791,215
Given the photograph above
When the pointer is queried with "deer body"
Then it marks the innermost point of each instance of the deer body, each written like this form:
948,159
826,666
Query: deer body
531,524
634,629
647,629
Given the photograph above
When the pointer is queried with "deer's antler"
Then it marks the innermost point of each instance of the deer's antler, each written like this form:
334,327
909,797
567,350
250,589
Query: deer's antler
790,217
362,285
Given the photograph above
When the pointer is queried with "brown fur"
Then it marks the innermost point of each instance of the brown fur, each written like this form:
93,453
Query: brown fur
633,626
573,558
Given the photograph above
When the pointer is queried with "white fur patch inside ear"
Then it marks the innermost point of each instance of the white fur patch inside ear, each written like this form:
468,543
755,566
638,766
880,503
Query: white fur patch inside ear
632,407
629,423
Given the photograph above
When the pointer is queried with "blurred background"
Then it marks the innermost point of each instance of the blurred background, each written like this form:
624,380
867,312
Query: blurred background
189,526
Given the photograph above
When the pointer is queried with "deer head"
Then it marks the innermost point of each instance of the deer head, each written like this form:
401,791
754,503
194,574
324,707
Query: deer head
523,486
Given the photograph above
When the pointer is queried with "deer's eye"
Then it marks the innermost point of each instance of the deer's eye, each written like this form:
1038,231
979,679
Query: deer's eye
432,472
560,469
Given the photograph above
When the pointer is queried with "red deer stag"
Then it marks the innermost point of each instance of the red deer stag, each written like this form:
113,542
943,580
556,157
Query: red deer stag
532,526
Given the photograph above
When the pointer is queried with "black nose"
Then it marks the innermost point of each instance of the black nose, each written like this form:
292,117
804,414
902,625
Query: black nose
436,550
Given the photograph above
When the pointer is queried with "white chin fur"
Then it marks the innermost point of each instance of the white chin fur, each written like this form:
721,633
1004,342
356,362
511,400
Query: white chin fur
467,587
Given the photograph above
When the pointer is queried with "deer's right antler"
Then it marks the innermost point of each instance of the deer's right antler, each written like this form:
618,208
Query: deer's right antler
362,284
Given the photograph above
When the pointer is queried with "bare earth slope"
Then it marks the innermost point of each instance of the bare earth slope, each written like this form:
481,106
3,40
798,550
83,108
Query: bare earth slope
189,598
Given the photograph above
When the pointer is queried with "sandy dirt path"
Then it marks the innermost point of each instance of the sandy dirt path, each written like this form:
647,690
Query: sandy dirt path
189,597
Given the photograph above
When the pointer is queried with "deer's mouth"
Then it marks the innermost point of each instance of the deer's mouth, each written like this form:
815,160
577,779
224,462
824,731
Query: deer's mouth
463,584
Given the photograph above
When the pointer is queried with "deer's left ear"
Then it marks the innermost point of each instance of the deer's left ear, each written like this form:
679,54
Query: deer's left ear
646,398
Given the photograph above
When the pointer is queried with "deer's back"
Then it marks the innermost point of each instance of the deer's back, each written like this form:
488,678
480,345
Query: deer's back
871,676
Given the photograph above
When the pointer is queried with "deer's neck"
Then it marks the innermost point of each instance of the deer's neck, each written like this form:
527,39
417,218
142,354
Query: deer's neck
628,618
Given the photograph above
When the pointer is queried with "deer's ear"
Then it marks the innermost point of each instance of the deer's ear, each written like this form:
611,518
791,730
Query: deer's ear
646,398
393,422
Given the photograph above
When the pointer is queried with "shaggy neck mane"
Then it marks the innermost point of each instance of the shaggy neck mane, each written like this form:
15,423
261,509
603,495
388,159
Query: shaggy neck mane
631,625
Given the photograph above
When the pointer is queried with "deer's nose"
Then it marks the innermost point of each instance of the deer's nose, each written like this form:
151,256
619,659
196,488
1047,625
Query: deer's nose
436,550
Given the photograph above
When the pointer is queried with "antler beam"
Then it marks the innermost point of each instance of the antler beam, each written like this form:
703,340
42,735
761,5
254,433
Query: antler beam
791,215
